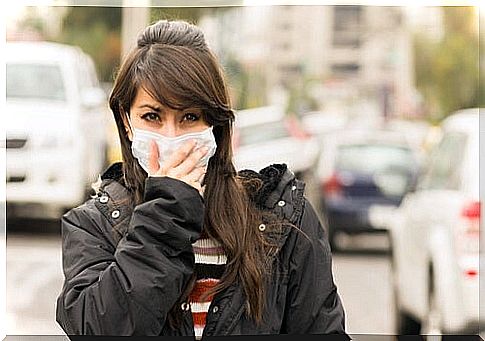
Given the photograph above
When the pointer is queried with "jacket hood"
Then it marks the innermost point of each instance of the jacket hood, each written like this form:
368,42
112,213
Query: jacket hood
275,178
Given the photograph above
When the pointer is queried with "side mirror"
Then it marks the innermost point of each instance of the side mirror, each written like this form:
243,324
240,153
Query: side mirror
413,184
417,179
93,97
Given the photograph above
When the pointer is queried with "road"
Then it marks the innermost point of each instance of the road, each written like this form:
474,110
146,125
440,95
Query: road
34,278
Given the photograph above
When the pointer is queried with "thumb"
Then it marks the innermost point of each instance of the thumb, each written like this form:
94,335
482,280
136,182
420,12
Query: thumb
153,165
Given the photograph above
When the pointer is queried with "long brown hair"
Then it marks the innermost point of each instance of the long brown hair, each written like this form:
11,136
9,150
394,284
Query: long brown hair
173,63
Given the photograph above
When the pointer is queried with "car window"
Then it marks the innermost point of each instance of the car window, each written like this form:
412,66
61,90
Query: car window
444,168
472,178
262,133
372,158
35,81
86,74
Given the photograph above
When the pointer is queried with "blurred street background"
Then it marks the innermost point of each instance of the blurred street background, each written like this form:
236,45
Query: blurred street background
376,108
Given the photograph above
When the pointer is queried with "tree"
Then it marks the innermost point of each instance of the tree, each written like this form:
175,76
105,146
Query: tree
97,30
447,70
481,94
190,14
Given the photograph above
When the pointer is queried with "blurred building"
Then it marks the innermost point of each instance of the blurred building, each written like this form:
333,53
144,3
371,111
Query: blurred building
239,32
338,49
34,22
426,21
363,48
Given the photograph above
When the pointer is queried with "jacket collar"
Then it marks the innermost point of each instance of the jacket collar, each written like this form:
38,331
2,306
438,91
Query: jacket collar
275,179
114,172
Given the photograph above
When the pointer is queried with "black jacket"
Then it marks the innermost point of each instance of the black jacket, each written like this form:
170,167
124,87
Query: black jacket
125,266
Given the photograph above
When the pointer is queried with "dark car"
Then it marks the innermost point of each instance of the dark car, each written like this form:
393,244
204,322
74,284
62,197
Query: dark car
364,175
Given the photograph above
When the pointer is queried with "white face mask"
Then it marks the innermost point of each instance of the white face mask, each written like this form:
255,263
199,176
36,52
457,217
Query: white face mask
140,146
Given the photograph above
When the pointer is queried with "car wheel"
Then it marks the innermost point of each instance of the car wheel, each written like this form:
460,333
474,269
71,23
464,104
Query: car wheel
405,324
433,322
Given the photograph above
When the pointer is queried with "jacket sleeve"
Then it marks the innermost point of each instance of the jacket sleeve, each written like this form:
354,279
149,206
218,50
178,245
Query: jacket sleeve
128,290
313,305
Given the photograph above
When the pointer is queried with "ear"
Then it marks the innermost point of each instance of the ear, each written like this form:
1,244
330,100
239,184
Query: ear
126,124
128,131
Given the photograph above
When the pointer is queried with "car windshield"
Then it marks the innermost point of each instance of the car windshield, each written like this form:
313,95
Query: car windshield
35,81
444,171
372,158
262,133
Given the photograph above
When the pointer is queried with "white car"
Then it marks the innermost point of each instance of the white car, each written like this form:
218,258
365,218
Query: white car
323,122
435,237
55,121
265,136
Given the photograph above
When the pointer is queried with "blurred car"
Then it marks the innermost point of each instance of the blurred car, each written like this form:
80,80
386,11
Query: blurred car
419,134
55,118
435,237
322,122
265,135
363,176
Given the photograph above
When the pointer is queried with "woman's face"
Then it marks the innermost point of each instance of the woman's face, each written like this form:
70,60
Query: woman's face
148,114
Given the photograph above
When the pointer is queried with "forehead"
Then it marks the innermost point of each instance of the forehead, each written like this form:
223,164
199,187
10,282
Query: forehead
144,100
143,97
158,100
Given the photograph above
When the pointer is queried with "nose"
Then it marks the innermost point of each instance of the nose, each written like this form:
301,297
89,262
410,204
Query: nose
169,129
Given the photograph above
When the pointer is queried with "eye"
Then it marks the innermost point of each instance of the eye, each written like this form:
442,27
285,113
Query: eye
151,117
191,117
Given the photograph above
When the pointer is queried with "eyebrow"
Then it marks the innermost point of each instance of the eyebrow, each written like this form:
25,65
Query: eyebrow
159,109
152,107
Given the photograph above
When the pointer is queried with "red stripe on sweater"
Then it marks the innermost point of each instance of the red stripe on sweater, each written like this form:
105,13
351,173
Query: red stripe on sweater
200,288
199,319
208,250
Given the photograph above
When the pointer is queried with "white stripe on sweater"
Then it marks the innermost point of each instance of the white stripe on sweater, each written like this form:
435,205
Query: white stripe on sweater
200,307
206,243
198,332
210,259
208,281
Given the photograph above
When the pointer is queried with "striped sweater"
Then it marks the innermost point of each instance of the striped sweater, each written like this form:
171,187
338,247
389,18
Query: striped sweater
210,263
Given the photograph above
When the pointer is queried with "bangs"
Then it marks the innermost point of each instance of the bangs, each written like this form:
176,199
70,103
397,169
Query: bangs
175,78
163,93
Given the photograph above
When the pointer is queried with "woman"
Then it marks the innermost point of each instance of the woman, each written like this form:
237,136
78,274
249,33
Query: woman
176,242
